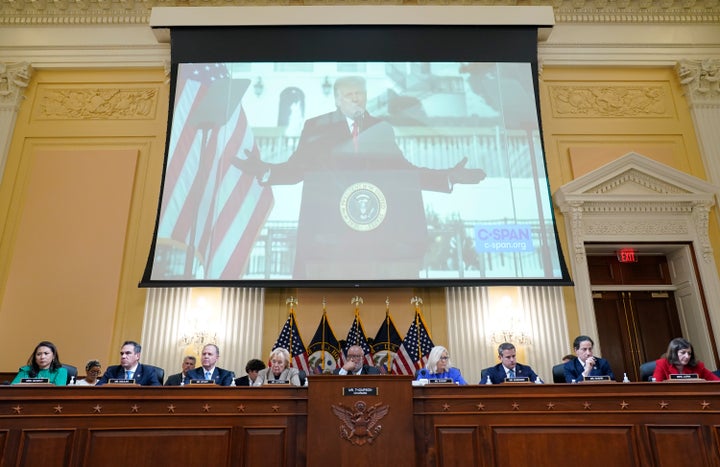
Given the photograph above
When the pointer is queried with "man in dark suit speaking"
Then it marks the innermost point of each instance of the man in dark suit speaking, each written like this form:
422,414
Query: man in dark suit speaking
361,197
130,368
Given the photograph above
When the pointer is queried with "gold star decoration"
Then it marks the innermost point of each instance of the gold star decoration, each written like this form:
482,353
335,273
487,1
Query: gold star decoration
705,405
135,408
624,405
515,406
17,409
97,408
550,406
480,406
58,408
664,405
206,407
171,408
241,408
587,405
446,407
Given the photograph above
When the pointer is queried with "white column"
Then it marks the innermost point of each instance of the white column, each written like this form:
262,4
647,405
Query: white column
165,312
470,321
172,329
701,82
14,78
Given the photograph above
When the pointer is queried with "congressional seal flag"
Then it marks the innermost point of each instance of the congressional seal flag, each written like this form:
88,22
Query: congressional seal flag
386,343
324,348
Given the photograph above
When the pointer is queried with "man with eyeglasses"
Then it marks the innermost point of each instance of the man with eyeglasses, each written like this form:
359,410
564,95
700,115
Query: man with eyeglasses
508,368
354,363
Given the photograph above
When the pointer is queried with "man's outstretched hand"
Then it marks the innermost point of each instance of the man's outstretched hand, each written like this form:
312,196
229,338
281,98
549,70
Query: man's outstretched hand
252,165
459,174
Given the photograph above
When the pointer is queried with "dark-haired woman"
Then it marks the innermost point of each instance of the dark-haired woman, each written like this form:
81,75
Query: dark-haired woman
680,359
44,363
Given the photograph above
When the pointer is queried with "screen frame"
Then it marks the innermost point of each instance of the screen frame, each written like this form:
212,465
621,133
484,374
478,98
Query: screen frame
449,41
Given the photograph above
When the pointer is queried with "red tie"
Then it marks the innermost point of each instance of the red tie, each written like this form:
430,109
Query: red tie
355,135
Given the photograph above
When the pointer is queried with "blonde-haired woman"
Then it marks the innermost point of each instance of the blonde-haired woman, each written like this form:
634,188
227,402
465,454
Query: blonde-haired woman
438,366
279,371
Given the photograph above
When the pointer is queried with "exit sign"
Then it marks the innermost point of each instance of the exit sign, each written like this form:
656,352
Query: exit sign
627,255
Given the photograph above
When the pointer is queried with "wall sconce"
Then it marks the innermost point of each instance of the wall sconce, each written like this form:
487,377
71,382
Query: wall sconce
509,324
259,87
326,86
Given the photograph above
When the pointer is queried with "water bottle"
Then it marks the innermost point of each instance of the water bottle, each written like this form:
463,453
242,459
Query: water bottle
487,381
625,378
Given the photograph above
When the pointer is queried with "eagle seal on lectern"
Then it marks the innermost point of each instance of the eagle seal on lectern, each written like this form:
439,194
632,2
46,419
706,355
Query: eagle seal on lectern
363,206
360,423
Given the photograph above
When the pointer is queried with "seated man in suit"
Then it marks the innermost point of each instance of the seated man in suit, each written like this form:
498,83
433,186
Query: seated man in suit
208,370
181,378
585,364
354,363
131,368
251,368
507,368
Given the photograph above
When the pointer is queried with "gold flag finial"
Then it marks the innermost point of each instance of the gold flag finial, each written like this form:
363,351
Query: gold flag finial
417,301
291,302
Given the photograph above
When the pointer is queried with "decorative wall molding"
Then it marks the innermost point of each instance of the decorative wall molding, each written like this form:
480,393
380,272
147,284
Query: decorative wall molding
98,103
14,78
87,12
701,80
593,101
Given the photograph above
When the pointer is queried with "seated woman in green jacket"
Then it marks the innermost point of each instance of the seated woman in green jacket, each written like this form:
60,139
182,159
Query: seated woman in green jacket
44,363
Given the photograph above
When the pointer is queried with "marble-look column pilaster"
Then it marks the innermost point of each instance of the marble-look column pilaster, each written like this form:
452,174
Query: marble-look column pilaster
701,82
14,78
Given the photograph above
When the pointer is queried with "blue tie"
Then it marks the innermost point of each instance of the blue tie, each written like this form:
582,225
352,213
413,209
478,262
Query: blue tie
208,375
128,374
511,374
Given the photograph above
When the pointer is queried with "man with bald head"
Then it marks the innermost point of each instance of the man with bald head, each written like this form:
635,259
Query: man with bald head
354,363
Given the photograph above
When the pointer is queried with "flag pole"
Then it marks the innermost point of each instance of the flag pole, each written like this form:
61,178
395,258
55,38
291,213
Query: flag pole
324,325
357,301
387,326
290,302
417,301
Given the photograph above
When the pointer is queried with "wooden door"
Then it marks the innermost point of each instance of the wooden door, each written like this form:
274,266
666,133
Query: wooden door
635,327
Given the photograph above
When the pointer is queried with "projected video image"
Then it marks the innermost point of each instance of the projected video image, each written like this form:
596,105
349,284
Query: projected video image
355,171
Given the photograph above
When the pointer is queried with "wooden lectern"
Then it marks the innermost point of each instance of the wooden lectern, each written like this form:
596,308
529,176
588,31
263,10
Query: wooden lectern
360,420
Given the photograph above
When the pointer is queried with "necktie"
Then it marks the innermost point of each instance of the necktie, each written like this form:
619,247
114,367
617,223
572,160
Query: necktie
208,375
355,135
511,374
128,374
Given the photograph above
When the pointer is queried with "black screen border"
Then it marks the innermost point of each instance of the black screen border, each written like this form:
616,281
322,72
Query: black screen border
336,43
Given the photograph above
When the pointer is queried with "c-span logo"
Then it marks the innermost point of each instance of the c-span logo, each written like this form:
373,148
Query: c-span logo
363,206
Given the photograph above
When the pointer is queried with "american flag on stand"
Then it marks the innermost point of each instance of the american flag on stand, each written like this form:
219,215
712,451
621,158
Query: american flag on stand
290,339
209,205
356,336
413,352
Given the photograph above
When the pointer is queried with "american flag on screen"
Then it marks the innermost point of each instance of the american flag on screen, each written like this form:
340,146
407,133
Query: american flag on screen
356,336
413,352
209,205
290,339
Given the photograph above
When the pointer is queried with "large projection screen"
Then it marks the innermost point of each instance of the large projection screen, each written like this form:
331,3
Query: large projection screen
354,155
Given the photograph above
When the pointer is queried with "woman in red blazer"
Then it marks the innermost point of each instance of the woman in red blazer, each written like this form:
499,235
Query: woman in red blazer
680,359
